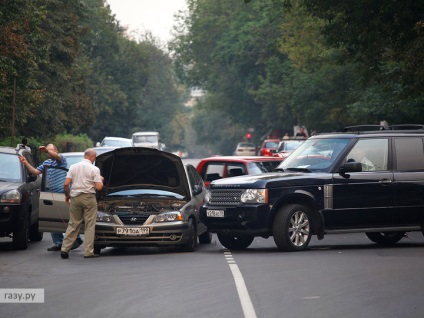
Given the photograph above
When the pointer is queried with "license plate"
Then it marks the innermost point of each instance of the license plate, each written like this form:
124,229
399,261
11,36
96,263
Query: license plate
215,213
132,231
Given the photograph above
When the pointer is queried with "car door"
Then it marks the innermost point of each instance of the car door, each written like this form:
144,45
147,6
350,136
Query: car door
197,199
54,211
408,180
364,199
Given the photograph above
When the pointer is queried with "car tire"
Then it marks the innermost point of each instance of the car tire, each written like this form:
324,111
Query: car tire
34,234
21,236
205,238
292,228
385,238
235,242
191,244
97,249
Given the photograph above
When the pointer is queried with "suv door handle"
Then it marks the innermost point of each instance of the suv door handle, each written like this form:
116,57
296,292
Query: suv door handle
385,181
48,202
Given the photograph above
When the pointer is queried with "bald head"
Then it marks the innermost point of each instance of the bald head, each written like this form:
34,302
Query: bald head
90,154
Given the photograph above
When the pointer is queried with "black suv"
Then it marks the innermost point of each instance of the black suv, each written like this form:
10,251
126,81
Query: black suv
347,182
19,198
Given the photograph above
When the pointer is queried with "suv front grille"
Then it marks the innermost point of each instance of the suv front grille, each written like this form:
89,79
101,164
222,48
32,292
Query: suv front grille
225,197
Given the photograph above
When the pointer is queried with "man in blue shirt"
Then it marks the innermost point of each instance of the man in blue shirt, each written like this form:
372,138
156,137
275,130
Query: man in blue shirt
55,184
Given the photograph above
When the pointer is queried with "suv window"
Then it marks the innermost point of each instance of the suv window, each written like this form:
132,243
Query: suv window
409,153
372,153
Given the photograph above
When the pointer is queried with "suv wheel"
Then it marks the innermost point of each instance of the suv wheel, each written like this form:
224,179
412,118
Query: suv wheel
191,244
34,234
205,238
385,238
292,229
21,236
235,242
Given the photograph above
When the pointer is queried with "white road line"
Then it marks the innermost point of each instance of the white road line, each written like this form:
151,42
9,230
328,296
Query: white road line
246,303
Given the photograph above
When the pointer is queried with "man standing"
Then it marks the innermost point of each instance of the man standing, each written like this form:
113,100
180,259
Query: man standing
55,160
86,179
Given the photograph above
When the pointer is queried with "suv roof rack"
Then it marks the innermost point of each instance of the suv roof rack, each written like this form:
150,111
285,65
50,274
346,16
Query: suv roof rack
364,128
406,127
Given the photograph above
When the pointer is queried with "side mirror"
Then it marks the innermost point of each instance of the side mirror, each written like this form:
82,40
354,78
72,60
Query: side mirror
350,167
97,144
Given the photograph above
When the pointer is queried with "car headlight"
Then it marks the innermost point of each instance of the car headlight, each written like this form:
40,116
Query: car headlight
12,196
104,217
169,217
207,196
254,196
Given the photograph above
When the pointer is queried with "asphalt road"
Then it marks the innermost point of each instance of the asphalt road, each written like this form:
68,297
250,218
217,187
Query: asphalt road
340,276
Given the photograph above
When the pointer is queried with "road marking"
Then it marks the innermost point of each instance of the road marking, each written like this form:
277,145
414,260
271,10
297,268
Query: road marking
246,303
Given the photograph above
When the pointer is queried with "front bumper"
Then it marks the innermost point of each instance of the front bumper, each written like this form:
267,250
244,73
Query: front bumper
11,216
160,234
238,220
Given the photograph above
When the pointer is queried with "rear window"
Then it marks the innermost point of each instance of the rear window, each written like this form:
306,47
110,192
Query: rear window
409,153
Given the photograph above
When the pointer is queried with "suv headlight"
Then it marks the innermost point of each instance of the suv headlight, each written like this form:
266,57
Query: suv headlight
12,196
254,196
207,196
169,217
104,217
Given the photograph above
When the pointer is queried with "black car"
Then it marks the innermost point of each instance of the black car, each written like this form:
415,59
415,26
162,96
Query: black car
365,181
19,198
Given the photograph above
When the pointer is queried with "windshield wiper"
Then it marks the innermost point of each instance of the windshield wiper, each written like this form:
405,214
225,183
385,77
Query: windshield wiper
278,169
298,169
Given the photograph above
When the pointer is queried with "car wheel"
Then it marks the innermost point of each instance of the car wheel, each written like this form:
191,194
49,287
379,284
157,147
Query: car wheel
34,234
292,228
385,238
233,242
21,236
205,238
97,249
191,244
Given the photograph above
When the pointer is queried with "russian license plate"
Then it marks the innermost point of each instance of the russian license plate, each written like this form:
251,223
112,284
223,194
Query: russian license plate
132,231
215,213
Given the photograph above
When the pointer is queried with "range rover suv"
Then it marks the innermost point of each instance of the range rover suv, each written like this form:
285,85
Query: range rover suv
353,181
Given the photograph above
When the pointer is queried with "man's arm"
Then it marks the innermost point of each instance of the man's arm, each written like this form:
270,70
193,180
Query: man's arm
66,185
30,168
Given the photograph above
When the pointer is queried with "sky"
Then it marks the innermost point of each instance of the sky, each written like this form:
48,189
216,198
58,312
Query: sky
155,16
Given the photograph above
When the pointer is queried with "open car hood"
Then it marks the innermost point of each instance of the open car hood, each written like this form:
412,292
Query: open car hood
142,168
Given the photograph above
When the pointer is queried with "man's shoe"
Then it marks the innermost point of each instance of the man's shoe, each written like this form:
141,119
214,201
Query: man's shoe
77,244
64,255
54,248
92,256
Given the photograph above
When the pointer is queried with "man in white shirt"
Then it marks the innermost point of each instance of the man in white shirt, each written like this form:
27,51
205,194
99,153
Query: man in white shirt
86,179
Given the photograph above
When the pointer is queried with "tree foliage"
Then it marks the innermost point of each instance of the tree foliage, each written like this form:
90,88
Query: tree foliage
77,71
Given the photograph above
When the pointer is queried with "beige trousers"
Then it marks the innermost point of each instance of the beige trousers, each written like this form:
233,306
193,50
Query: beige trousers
83,208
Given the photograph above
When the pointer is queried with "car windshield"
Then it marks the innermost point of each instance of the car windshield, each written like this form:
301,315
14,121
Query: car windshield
271,144
315,154
116,143
146,138
10,169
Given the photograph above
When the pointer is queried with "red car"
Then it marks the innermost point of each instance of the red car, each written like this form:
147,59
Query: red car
268,145
214,168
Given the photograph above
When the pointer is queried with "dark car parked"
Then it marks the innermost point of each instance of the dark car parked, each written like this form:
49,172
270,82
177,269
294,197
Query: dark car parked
19,198
365,181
